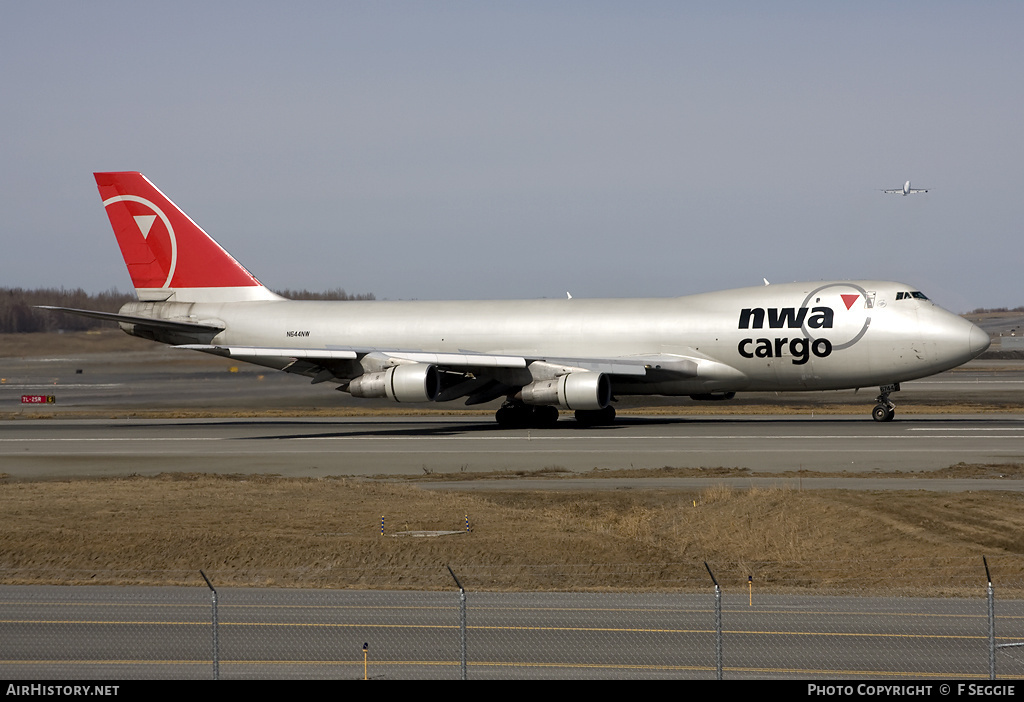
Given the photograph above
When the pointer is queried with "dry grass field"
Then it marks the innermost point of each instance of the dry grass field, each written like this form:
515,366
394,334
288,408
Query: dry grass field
272,531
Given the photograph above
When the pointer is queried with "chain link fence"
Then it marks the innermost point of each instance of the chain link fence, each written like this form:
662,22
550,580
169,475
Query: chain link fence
102,632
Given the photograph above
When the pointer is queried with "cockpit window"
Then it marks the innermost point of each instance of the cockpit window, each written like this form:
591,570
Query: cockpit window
911,295
918,295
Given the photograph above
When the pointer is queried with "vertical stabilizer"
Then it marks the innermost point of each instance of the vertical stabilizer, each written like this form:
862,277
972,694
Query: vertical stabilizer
170,257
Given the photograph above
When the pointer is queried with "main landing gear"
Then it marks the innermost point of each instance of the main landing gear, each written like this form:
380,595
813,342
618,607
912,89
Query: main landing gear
885,410
514,414
596,418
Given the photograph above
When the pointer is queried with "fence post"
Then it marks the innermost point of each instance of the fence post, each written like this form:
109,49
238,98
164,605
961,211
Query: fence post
462,618
991,624
718,623
216,650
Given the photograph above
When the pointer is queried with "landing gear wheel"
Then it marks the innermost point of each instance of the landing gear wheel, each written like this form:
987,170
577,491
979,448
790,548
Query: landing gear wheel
506,417
546,416
885,410
881,413
595,418
516,415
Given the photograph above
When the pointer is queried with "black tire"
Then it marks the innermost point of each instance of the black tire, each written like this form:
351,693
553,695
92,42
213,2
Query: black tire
505,417
546,416
596,418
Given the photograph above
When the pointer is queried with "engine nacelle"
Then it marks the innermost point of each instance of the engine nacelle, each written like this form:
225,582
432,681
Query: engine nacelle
573,391
410,382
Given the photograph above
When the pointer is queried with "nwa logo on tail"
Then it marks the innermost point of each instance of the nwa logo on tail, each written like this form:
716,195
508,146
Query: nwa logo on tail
152,259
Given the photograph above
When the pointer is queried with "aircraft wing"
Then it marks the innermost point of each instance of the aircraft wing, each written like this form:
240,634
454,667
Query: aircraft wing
659,366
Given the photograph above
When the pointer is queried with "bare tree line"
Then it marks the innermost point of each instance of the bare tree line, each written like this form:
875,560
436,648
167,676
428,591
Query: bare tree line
335,294
994,310
18,313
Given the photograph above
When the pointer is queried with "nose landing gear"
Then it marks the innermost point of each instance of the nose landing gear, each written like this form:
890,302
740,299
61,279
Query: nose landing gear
885,410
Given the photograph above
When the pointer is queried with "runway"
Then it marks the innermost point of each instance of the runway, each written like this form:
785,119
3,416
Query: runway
120,384
60,448
168,379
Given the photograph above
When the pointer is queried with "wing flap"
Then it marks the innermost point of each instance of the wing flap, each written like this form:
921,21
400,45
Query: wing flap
242,352
635,366
459,360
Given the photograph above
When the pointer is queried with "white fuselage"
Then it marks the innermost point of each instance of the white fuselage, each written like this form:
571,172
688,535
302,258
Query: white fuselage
797,336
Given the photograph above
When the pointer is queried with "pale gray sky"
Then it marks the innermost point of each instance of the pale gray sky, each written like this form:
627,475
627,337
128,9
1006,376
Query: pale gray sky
500,150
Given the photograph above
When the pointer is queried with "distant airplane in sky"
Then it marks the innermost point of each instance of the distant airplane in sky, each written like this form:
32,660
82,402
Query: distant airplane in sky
906,190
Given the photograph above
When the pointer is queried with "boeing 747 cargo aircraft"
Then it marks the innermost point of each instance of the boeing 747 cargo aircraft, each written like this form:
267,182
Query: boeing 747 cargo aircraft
540,355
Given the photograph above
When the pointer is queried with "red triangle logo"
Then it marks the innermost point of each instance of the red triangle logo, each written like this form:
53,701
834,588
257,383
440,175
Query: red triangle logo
849,300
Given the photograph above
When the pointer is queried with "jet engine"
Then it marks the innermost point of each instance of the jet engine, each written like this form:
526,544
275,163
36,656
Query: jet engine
574,391
411,382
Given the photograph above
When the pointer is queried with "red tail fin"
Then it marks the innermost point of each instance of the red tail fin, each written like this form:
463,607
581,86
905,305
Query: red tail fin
169,257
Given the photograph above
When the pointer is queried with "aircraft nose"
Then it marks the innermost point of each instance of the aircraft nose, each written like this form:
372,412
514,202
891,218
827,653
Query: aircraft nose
978,340
956,340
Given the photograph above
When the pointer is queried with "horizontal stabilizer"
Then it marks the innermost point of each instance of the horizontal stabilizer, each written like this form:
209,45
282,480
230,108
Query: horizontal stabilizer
138,321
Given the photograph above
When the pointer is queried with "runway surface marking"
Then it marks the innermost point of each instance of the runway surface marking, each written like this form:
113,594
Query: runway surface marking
491,609
606,629
950,434
966,429
965,381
